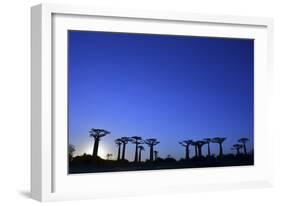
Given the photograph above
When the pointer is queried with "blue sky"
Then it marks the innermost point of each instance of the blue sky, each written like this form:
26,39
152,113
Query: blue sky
168,87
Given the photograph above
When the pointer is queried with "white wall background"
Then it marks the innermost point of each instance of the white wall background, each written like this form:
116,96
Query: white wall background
15,101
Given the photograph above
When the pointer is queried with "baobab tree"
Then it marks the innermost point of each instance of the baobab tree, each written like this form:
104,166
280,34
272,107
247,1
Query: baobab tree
118,142
155,155
208,141
124,141
186,144
195,148
97,134
151,143
219,140
237,147
243,141
199,144
137,141
141,148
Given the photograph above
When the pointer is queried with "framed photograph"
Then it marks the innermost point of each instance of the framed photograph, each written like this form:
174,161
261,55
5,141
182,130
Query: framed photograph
135,102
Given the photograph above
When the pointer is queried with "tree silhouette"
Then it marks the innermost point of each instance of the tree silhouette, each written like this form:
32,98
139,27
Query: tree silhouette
219,140
208,141
186,144
237,147
170,159
71,150
195,148
97,134
141,148
151,143
108,156
137,141
199,144
243,141
124,141
118,142
155,155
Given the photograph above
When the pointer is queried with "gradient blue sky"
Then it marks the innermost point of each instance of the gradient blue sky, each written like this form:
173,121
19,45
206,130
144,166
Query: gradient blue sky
168,87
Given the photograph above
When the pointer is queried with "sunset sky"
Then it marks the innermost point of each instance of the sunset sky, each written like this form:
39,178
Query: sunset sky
157,86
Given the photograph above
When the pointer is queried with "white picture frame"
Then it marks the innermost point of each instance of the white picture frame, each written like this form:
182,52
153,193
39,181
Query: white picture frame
49,178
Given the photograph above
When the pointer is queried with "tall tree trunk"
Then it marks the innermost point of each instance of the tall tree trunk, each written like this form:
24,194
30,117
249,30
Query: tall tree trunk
95,149
123,151
245,151
119,151
140,155
221,150
136,153
200,151
238,151
151,153
209,150
155,156
187,152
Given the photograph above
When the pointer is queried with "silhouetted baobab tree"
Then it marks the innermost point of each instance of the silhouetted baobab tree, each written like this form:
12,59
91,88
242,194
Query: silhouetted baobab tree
97,134
155,155
124,141
141,148
186,144
137,141
208,141
195,148
151,143
199,144
237,147
219,140
243,141
118,142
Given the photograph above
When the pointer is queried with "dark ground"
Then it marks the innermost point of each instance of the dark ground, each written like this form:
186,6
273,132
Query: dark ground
85,164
